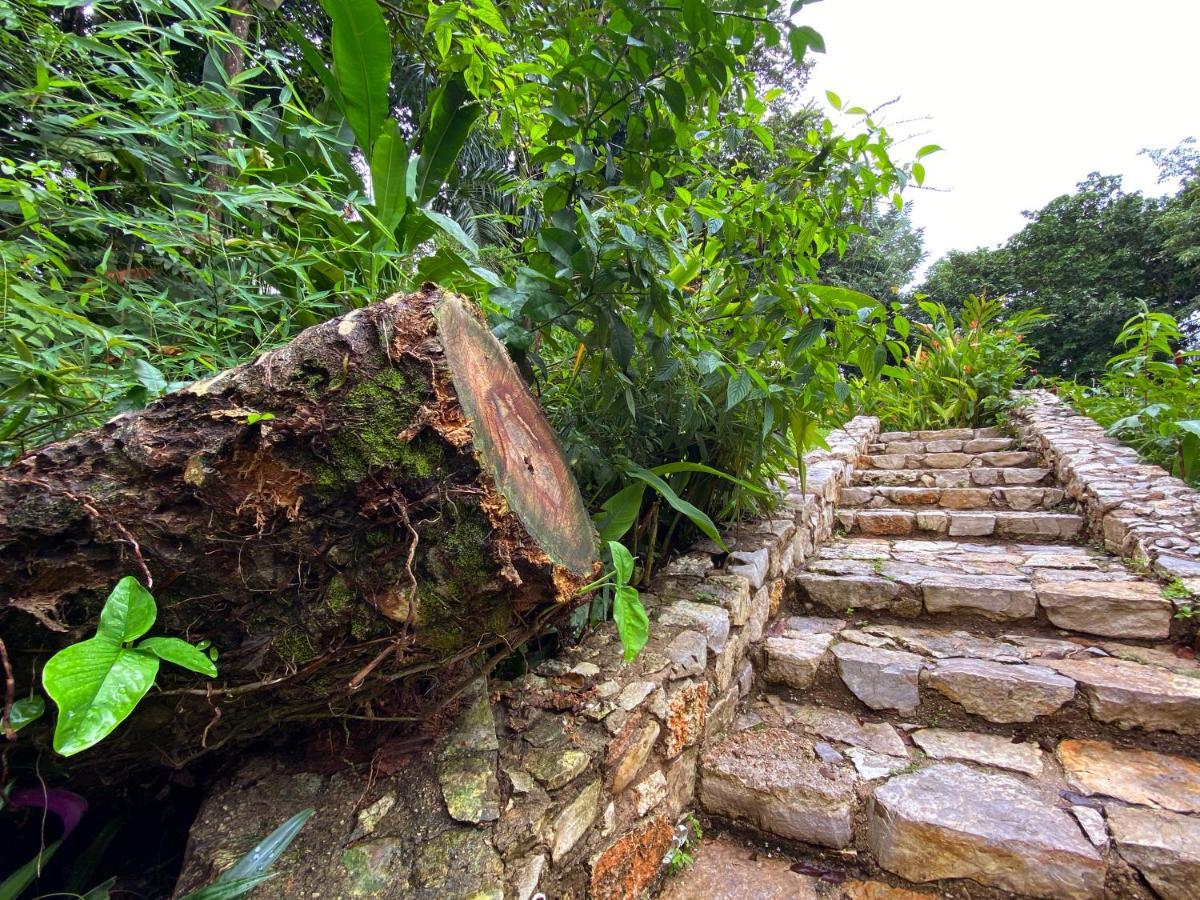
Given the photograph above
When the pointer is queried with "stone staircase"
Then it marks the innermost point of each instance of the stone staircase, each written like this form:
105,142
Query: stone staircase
960,692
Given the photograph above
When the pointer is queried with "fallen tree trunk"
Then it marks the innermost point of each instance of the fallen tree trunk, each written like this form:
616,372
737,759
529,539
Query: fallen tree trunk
378,499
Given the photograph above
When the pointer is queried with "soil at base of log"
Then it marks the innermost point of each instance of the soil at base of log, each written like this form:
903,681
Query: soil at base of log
405,506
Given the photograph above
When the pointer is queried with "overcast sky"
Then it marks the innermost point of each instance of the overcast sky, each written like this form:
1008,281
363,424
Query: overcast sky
1026,96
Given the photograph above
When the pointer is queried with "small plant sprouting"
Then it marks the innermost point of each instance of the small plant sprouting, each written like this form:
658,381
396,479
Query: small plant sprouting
97,683
687,837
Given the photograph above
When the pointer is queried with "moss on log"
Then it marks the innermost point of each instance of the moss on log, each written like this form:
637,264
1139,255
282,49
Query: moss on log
377,500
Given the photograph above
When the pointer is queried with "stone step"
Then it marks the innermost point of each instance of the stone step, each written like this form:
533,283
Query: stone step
1004,459
946,434
984,476
926,804
964,498
974,445
1028,524
1034,678
1067,586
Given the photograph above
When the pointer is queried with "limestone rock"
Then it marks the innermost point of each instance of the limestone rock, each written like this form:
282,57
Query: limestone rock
712,620
459,862
1135,776
985,749
470,788
837,725
556,768
1124,609
871,765
629,753
1163,846
996,597
1131,695
770,780
882,679
972,524
999,692
574,821
842,592
793,659
950,821
688,652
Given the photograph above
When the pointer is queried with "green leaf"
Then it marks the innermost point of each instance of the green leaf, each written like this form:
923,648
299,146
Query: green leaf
14,885
803,38
738,390
452,228
672,91
841,297
362,66
96,684
622,561
927,149
128,612
633,626
619,512
389,175
179,652
253,868
451,113
672,468
834,100
697,516
26,710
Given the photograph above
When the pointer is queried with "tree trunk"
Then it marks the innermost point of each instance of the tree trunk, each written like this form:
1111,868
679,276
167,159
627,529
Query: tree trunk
380,498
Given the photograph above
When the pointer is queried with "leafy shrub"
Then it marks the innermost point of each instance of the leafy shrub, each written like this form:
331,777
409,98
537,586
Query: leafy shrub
962,371
1149,394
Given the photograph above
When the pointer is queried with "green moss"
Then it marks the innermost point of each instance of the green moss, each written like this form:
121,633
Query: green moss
337,594
293,646
365,623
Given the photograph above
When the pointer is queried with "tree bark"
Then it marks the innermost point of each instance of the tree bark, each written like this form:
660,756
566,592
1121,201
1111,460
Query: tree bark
379,499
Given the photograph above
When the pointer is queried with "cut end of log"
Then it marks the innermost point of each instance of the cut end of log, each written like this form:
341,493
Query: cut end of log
515,443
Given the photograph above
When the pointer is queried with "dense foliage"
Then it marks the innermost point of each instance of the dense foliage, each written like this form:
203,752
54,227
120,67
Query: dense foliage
184,186
1087,259
1149,394
960,370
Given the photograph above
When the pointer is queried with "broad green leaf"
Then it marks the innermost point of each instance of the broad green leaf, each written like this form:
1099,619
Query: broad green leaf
362,66
255,865
96,684
128,613
26,710
694,514
633,626
229,890
451,112
619,512
803,38
389,175
179,652
927,149
841,297
672,468
452,228
622,561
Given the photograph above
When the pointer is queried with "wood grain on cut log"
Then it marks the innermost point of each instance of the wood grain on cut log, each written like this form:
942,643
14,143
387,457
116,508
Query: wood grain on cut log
404,504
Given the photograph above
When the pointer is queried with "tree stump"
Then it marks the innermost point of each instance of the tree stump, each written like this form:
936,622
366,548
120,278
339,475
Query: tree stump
376,500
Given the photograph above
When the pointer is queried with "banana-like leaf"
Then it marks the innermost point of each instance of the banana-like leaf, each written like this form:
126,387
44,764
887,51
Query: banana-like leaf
362,66
451,113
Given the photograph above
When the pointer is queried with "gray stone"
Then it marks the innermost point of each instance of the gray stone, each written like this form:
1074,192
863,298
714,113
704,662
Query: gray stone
871,765
753,566
858,592
712,620
794,659
1092,823
999,692
1131,695
882,679
1124,609
528,874
812,625
475,730
633,755
1163,846
732,592
688,652
769,779
951,821
837,725
556,768
947,644
987,445
971,524
458,863
470,787
1023,476
633,694
985,749
574,821
884,521
996,597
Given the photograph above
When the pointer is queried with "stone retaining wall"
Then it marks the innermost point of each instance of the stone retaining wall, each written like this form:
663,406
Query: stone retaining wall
1138,510
569,781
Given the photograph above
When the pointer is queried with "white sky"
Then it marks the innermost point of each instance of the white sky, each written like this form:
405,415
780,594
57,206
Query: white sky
1026,96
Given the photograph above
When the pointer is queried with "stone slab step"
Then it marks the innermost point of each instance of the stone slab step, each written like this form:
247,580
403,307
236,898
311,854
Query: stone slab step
973,445
1069,586
948,460
938,804
961,498
1039,524
984,476
1033,676
947,434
